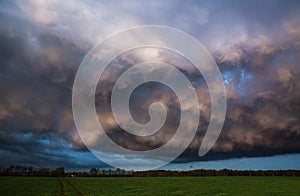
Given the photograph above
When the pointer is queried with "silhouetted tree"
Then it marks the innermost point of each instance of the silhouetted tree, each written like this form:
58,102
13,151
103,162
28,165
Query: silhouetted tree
59,172
93,172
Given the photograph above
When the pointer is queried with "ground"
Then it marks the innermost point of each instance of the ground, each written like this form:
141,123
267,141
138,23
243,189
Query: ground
227,185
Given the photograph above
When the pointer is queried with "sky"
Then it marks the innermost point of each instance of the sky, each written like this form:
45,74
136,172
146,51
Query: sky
256,45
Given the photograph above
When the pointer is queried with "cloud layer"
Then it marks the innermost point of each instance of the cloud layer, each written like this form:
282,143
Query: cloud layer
255,44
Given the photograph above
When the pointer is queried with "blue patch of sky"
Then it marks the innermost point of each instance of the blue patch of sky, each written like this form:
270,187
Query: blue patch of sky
278,162
238,78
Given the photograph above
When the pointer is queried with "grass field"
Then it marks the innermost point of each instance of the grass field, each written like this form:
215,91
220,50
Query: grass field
150,186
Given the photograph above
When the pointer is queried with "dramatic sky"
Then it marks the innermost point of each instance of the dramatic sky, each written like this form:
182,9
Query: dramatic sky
256,45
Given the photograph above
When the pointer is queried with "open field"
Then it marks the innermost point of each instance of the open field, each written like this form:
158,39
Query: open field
150,186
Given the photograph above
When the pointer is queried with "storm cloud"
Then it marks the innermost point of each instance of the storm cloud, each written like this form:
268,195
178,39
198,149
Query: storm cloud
42,43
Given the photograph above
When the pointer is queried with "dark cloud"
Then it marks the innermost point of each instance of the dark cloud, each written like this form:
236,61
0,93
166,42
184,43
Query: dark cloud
42,150
255,44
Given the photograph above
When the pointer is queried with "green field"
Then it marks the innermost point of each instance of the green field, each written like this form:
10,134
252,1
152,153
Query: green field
150,186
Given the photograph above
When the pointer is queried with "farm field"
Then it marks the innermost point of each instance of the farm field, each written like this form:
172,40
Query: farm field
150,186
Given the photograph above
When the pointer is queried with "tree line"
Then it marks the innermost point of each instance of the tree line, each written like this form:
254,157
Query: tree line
211,172
19,170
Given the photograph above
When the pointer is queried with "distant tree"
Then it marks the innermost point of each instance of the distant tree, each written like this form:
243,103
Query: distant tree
59,172
118,171
30,169
123,172
24,170
18,169
9,170
93,172
44,172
